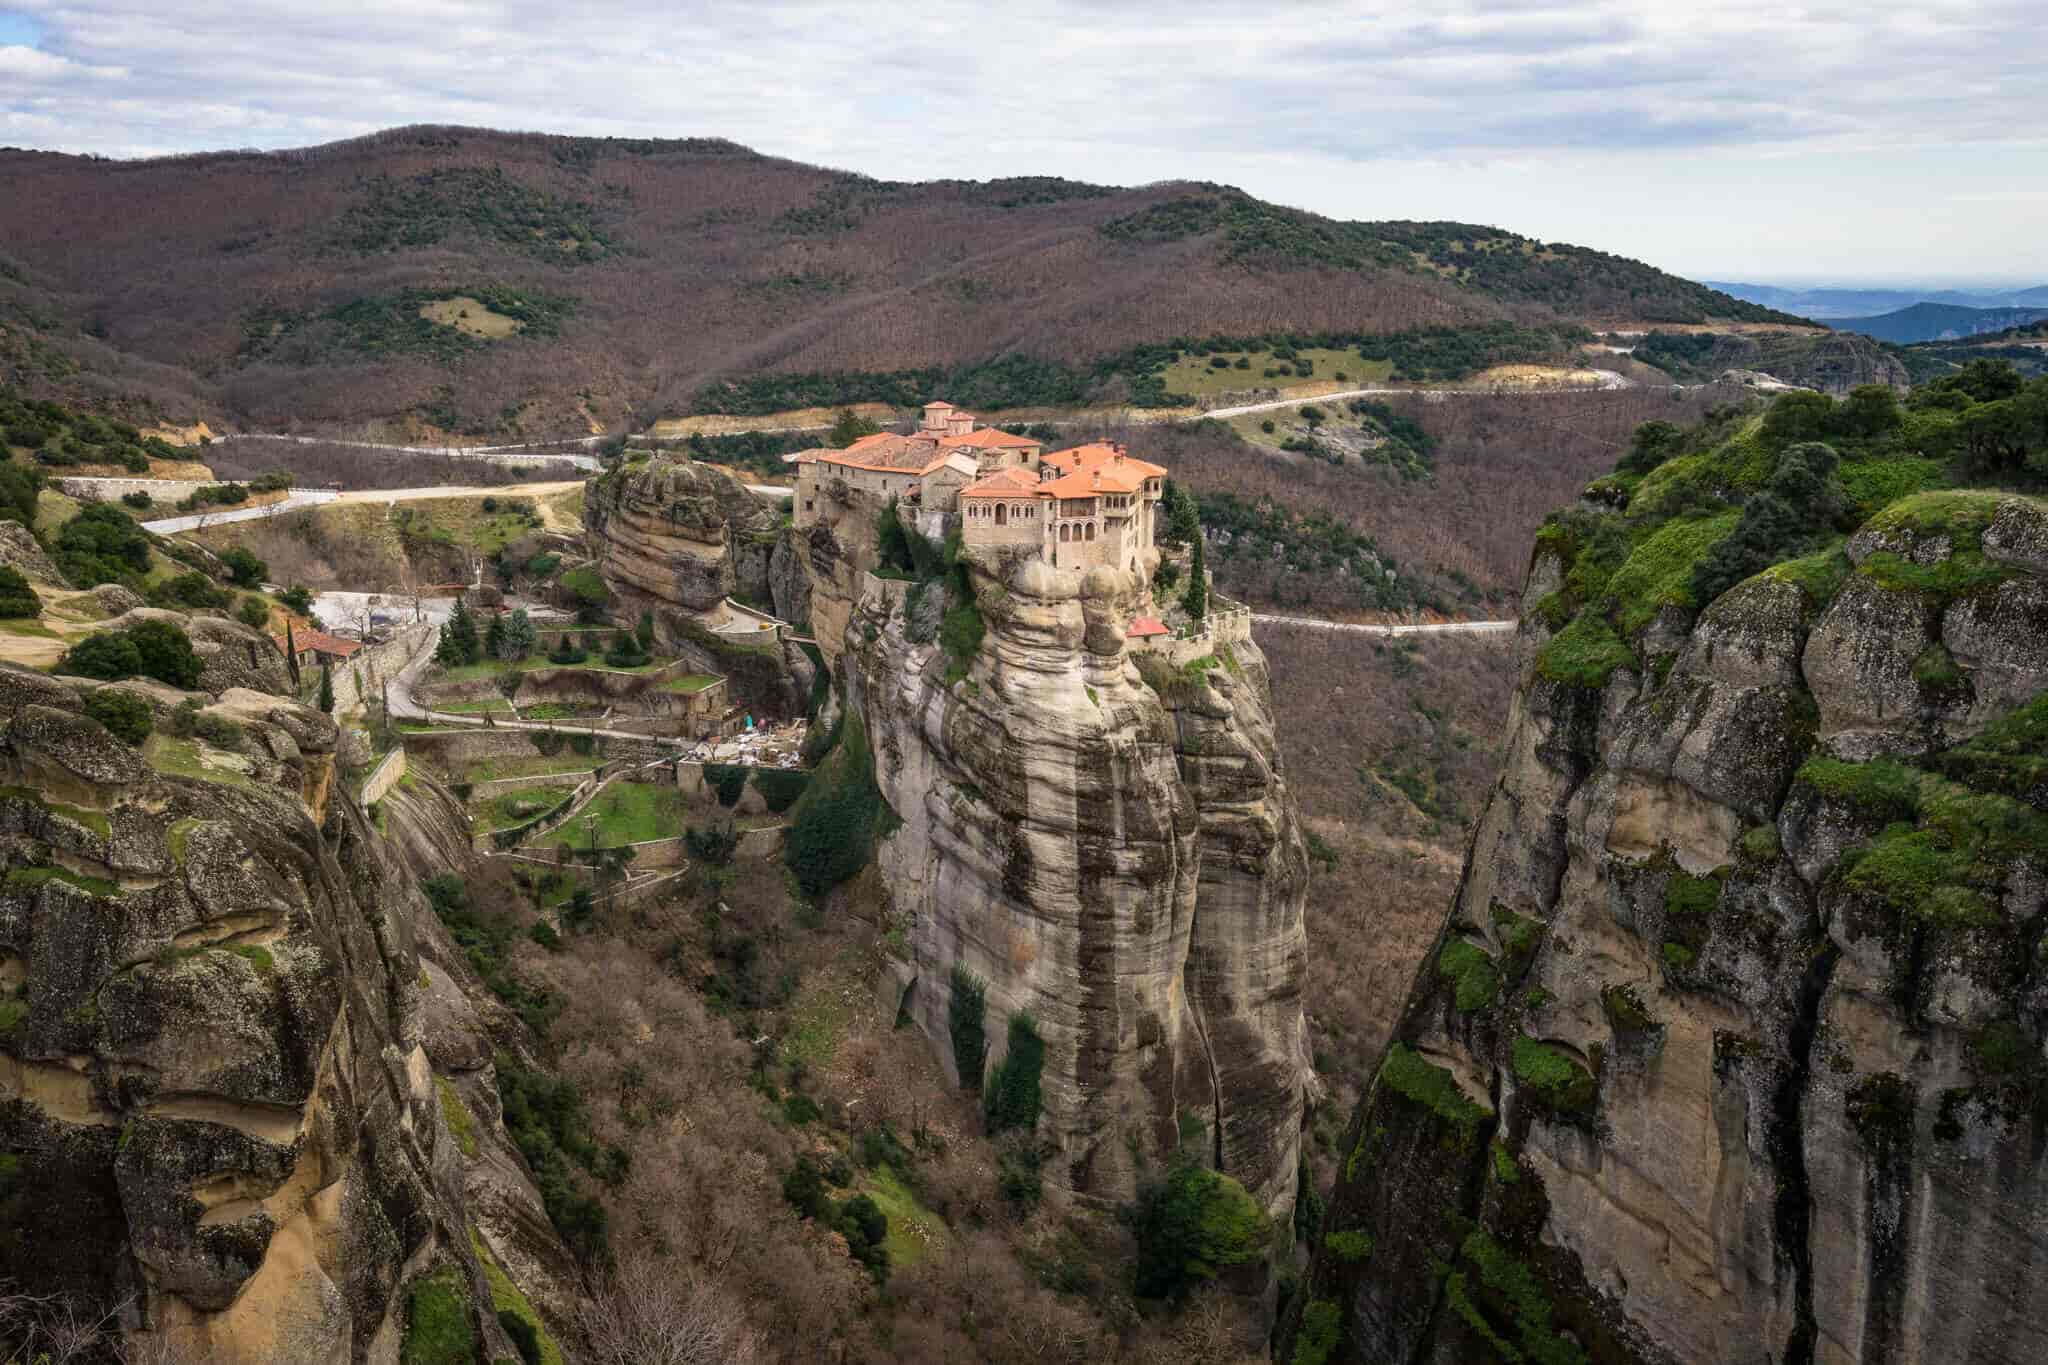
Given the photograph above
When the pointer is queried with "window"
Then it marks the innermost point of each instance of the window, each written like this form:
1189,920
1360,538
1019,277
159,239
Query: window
1000,509
1091,530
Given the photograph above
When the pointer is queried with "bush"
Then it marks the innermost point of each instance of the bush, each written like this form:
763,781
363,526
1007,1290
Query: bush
254,612
218,731
437,1325
729,780
780,788
189,590
297,599
833,827
126,716
1190,1224
245,570
18,601
148,649
139,500
102,544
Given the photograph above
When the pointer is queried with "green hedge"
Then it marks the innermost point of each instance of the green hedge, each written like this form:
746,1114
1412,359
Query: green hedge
780,788
835,824
729,780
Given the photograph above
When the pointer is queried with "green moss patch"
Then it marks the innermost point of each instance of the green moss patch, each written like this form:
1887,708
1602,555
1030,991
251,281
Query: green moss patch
1819,575
1350,1245
1321,1324
2009,757
1585,653
508,1301
1476,985
1409,1075
1552,1078
88,819
1659,573
32,877
915,1232
1513,1289
438,1330
1881,789
460,1122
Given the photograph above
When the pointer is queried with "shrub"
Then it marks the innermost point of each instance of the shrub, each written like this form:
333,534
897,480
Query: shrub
102,544
714,845
780,788
254,612
126,716
190,590
297,599
139,500
18,601
548,1120
148,649
245,570
834,825
218,731
1190,1224
729,780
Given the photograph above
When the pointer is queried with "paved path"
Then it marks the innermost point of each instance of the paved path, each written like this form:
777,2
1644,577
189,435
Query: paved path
164,526
1436,628
405,706
513,455
1609,379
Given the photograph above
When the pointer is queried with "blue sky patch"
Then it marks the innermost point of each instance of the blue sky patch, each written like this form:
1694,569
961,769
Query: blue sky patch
18,30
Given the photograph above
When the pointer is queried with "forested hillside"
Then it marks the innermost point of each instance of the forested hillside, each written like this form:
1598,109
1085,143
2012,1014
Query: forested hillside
509,285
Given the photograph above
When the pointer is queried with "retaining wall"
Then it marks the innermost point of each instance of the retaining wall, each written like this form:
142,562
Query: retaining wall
498,786
384,777
361,680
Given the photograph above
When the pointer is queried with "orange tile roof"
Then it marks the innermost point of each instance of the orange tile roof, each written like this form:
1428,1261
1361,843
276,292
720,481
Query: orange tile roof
1005,483
990,438
1082,456
1143,627
1087,483
303,640
884,452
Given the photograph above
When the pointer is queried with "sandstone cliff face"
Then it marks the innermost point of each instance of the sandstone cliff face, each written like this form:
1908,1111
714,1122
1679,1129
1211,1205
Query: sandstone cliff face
676,538
1732,1046
217,1104
1832,362
1121,862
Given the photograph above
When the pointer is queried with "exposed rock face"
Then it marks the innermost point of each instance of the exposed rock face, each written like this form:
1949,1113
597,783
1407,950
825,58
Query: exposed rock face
677,536
1121,862
217,1102
1833,362
20,552
1732,1047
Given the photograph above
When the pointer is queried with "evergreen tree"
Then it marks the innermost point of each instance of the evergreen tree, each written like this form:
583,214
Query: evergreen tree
850,427
645,632
1183,518
458,638
1196,598
291,653
326,702
494,636
517,637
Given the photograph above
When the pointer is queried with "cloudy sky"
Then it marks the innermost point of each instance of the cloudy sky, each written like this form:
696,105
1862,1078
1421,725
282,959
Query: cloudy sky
1865,141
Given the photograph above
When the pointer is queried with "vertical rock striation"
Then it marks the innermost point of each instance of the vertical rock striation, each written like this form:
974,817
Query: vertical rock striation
1731,1048
1118,858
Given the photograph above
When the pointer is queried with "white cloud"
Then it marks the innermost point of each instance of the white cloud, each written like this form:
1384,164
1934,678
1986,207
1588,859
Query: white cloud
1528,114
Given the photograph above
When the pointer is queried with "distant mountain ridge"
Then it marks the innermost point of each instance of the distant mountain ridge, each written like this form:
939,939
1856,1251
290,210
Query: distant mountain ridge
526,284
1826,304
1939,322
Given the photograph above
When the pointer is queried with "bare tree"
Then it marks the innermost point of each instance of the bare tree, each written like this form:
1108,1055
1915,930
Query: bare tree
53,1328
650,1314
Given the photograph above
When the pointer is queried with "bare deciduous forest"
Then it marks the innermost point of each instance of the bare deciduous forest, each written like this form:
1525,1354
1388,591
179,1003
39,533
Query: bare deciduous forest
279,290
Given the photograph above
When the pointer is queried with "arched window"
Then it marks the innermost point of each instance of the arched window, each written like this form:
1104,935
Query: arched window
1091,530
1064,528
1000,509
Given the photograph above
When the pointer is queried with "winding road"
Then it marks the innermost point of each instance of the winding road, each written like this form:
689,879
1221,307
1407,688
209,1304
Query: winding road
1361,628
1609,379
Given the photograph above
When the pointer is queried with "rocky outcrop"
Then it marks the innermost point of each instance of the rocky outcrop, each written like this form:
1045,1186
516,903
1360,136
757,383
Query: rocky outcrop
1116,857
20,552
218,1101
674,536
1832,362
1731,1048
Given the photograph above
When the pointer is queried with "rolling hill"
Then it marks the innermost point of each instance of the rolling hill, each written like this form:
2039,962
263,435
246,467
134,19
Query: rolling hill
1938,322
522,284
1831,304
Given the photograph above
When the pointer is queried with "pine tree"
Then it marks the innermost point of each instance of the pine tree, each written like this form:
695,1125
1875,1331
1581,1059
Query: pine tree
291,654
458,638
1196,598
1183,518
326,702
645,632
518,638
494,637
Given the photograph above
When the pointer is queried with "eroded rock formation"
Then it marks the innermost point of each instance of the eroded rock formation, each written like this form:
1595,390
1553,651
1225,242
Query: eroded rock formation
1731,1049
219,1109
1117,858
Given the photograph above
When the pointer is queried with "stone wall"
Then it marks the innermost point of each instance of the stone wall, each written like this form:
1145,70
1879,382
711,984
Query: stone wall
384,776
360,681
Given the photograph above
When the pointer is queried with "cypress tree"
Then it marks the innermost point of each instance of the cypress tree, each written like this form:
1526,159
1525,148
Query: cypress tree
326,702
1196,598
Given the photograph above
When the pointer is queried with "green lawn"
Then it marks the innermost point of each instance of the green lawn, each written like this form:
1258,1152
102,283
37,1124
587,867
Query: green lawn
627,813
496,706
491,668
689,682
516,808
180,758
561,710
491,769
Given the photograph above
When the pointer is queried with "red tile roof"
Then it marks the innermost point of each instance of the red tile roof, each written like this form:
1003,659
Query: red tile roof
303,640
1144,627
990,438
1005,483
